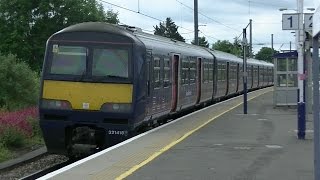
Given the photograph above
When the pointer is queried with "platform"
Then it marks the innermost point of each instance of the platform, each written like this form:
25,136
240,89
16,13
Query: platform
217,142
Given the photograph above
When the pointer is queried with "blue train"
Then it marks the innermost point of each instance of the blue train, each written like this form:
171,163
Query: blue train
101,83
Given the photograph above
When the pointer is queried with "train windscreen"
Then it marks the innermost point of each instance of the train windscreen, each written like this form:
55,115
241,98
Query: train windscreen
110,63
68,60
89,62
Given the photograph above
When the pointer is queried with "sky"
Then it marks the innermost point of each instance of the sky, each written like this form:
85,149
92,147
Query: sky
218,19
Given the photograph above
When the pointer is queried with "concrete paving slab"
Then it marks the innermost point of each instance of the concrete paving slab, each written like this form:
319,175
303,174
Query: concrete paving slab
259,146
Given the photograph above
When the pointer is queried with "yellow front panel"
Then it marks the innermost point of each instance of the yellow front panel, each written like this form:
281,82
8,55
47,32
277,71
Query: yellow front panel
81,94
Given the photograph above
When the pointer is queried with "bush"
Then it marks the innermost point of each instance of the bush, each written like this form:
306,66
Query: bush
12,137
4,153
19,87
36,135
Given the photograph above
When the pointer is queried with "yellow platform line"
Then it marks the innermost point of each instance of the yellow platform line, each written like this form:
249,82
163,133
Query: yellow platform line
164,149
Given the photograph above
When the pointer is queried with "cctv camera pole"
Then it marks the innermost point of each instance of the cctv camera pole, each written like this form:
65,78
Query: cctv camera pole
196,39
244,44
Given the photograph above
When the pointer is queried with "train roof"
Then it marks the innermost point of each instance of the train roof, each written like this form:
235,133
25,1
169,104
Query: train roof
156,42
94,27
220,55
99,27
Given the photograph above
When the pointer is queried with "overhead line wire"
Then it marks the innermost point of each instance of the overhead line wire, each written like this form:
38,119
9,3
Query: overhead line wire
208,36
146,15
208,17
139,12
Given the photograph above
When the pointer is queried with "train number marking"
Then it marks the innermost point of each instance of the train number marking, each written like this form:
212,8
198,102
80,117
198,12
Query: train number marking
115,132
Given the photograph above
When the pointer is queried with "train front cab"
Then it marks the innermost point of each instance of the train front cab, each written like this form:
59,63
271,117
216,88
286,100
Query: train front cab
90,97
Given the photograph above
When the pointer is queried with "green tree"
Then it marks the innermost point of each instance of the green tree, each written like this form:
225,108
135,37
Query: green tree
19,85
26,25
202,42
265,54
168,29
237,48
228,47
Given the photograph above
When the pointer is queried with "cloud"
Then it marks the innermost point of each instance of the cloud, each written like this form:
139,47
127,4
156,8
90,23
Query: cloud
218,19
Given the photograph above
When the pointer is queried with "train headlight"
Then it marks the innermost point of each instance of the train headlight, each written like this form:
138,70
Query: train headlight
55,104
116,107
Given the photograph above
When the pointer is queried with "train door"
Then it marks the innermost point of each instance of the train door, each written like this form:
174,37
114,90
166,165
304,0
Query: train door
149,73
199,79
241,79
215,78
167,85
175,81
238,77
251,77
156,84
258,74
228,78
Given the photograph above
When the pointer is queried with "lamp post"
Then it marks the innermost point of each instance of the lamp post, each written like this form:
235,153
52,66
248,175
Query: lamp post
300,48
196,35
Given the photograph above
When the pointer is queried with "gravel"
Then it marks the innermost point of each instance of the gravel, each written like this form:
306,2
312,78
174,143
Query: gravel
32,167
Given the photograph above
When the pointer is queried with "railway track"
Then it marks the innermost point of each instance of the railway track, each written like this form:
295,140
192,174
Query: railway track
46,171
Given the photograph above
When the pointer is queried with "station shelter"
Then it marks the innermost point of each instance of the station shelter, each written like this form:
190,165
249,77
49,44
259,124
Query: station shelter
285,79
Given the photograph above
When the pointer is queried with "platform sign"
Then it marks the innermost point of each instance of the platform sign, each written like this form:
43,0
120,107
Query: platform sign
308,21
316,22
290,21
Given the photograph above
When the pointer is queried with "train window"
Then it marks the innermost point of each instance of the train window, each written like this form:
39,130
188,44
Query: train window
219,72
235,70
110,62
210,69
255,72
261,71
223,72
156,72
205,72
248,72
68,60
166,72
232,71
185,72
193,71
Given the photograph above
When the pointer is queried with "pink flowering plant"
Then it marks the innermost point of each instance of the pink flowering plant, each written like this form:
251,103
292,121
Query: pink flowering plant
18,125
19,129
